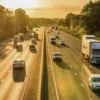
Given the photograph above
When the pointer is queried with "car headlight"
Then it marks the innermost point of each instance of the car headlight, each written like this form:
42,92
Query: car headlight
93,86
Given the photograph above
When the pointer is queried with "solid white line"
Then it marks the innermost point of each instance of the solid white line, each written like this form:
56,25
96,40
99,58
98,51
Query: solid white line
90,66
55,85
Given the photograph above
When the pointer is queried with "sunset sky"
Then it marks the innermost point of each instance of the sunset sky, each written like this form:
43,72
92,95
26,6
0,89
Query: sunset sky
40,3
46,8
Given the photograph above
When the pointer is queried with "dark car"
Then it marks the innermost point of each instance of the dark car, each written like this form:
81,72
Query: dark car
19,47
32,47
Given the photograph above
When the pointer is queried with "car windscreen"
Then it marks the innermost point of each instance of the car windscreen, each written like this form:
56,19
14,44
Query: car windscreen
91,37
96,79
52,38
57,54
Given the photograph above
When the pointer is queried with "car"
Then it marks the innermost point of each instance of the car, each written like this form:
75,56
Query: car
19,47
62,42
53,39
32,47
57,56
31,35
94,81
18,63
21,37
33,41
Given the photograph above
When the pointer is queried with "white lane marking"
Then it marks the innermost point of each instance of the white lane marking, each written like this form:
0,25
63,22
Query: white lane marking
90,66
52,69
70,66
2,80
82,85
75,74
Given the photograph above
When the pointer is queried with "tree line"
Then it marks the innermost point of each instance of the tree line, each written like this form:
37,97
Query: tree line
88,19
12,23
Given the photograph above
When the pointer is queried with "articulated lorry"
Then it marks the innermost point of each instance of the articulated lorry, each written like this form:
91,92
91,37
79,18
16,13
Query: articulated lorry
91,49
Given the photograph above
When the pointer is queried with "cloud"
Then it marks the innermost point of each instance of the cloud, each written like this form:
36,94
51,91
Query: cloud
68,8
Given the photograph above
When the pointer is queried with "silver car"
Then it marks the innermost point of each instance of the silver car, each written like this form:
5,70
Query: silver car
94,82
57,56
18,63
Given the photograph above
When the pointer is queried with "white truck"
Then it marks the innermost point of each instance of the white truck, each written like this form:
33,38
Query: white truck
91,49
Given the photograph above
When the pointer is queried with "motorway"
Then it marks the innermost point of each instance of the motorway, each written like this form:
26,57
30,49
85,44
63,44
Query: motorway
14,83
43,78
70,75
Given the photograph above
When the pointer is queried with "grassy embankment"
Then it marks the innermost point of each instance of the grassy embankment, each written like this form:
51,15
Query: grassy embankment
77,32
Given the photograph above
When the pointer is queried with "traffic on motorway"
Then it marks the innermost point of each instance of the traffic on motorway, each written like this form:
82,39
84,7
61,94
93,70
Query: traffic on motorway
69,71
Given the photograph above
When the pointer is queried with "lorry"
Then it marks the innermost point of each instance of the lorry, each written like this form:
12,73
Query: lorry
91,49
21,36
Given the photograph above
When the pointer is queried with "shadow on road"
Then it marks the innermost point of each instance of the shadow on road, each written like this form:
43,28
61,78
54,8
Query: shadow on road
57,45
97,66
19,75
62,65
66,46
97,93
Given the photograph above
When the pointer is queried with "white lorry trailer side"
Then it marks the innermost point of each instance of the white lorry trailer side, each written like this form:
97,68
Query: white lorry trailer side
91,49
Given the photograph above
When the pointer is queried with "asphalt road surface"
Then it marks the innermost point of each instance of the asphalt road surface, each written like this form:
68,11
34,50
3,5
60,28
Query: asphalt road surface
43,78
71,75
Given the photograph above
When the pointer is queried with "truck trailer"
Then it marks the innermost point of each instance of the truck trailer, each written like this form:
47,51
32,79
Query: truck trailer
91,49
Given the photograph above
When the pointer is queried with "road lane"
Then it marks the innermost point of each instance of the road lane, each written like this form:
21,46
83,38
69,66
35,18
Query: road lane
32,90
69,87
10,88
82,68
4,67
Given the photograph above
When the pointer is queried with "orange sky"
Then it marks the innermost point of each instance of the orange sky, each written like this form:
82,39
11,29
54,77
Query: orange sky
46,8
40,3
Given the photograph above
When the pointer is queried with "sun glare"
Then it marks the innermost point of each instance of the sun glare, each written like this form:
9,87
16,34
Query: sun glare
20,3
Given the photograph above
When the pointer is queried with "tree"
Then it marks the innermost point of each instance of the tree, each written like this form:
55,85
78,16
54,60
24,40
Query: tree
75,21
90,17
68,19
61,22
21,19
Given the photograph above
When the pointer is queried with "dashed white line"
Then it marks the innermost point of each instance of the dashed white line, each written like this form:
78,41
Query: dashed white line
2,80
75,74
70,66
82,85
